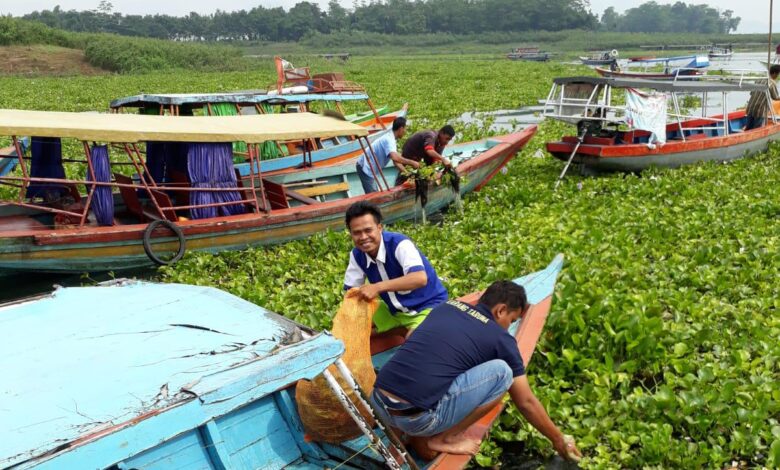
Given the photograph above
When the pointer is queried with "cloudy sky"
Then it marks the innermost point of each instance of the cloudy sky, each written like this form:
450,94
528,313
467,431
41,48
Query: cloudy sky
754,13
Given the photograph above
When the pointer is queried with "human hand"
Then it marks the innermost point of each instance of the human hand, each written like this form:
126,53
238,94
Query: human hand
447,163
567,449
366,292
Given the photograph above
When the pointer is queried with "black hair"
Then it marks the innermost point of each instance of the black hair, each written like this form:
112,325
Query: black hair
362,208
398,123
504,292
774,69
447,130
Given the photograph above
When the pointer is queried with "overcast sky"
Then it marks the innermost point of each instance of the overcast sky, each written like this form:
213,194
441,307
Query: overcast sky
754,13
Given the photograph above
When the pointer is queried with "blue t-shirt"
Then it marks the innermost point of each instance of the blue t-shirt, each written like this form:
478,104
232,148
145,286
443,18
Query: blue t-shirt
382,148
453,339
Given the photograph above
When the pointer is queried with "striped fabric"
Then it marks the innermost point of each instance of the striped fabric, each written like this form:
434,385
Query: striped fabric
757,104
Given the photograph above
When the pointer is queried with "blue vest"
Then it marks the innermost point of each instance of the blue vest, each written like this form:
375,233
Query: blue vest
428,296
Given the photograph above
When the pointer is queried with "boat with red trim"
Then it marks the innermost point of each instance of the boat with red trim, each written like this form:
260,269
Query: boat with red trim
610,136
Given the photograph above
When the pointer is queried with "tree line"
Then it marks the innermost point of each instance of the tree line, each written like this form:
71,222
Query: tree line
651,17
393,17
400,17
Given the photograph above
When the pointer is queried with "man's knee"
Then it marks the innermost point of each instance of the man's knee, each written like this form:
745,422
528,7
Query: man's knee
502,372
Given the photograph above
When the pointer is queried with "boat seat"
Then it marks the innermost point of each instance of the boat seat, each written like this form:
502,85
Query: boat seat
324,189
179,179
276,194
134,205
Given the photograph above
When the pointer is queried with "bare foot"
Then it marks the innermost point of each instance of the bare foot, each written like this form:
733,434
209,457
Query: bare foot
455,444
420,446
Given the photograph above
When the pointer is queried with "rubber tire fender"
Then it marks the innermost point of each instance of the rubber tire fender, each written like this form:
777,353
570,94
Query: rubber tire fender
148,242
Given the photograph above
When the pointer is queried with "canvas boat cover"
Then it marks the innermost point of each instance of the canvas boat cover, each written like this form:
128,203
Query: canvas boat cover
688,86
248,97
132,128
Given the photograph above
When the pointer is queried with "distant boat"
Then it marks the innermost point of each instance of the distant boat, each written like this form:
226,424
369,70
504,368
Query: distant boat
600,58
532,54
720,53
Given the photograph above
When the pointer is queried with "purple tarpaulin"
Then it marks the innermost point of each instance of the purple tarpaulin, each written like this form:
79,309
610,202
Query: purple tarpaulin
210,165
46,163
102,200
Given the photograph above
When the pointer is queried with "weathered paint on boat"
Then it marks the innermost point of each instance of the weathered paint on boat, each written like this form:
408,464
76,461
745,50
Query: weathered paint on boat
155,380
675,153
120,247
146,376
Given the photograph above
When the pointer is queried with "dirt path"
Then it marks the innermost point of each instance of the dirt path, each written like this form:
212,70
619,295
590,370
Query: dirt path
44,60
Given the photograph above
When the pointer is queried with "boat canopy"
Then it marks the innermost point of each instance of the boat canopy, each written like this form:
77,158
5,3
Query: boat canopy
104,371
133,128
698,86
249,97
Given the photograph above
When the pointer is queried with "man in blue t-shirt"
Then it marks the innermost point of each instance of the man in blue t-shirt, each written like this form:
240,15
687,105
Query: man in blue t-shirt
398,273
455,368
385,148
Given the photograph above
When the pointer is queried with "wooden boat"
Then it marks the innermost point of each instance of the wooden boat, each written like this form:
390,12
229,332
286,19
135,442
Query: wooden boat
198,390
692,69
65,236
600,57
720,53
282,154
586,101
673,75
532,54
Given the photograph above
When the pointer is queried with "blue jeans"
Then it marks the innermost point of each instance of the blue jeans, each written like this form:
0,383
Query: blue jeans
368,182
754,122
476,387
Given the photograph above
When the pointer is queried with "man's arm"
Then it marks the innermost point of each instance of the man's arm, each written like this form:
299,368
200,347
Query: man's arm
437,157
400,161
411,281
522,396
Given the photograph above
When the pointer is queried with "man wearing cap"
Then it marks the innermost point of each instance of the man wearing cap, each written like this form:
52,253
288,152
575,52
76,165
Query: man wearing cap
397,271
455,368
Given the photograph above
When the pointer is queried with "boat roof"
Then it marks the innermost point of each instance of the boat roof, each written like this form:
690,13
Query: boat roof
247,97
131,128
87,360
690,86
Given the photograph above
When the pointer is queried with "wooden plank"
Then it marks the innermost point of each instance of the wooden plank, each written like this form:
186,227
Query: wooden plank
215,446
184,451
285,401
256,436
324,189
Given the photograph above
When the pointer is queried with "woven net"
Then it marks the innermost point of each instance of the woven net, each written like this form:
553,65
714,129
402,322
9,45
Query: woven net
324,418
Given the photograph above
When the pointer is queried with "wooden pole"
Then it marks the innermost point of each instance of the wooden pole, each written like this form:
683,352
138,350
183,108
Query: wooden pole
769,50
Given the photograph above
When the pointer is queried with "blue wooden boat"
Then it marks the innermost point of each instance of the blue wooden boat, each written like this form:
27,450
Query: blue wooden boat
160,380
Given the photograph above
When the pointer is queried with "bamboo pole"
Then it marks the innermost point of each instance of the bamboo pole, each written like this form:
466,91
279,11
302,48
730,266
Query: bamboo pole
769,49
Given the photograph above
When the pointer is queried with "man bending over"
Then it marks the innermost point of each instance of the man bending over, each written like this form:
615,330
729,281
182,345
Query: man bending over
456,367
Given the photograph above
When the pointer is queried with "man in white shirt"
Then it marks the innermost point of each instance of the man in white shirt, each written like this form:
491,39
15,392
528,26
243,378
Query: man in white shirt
385,148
